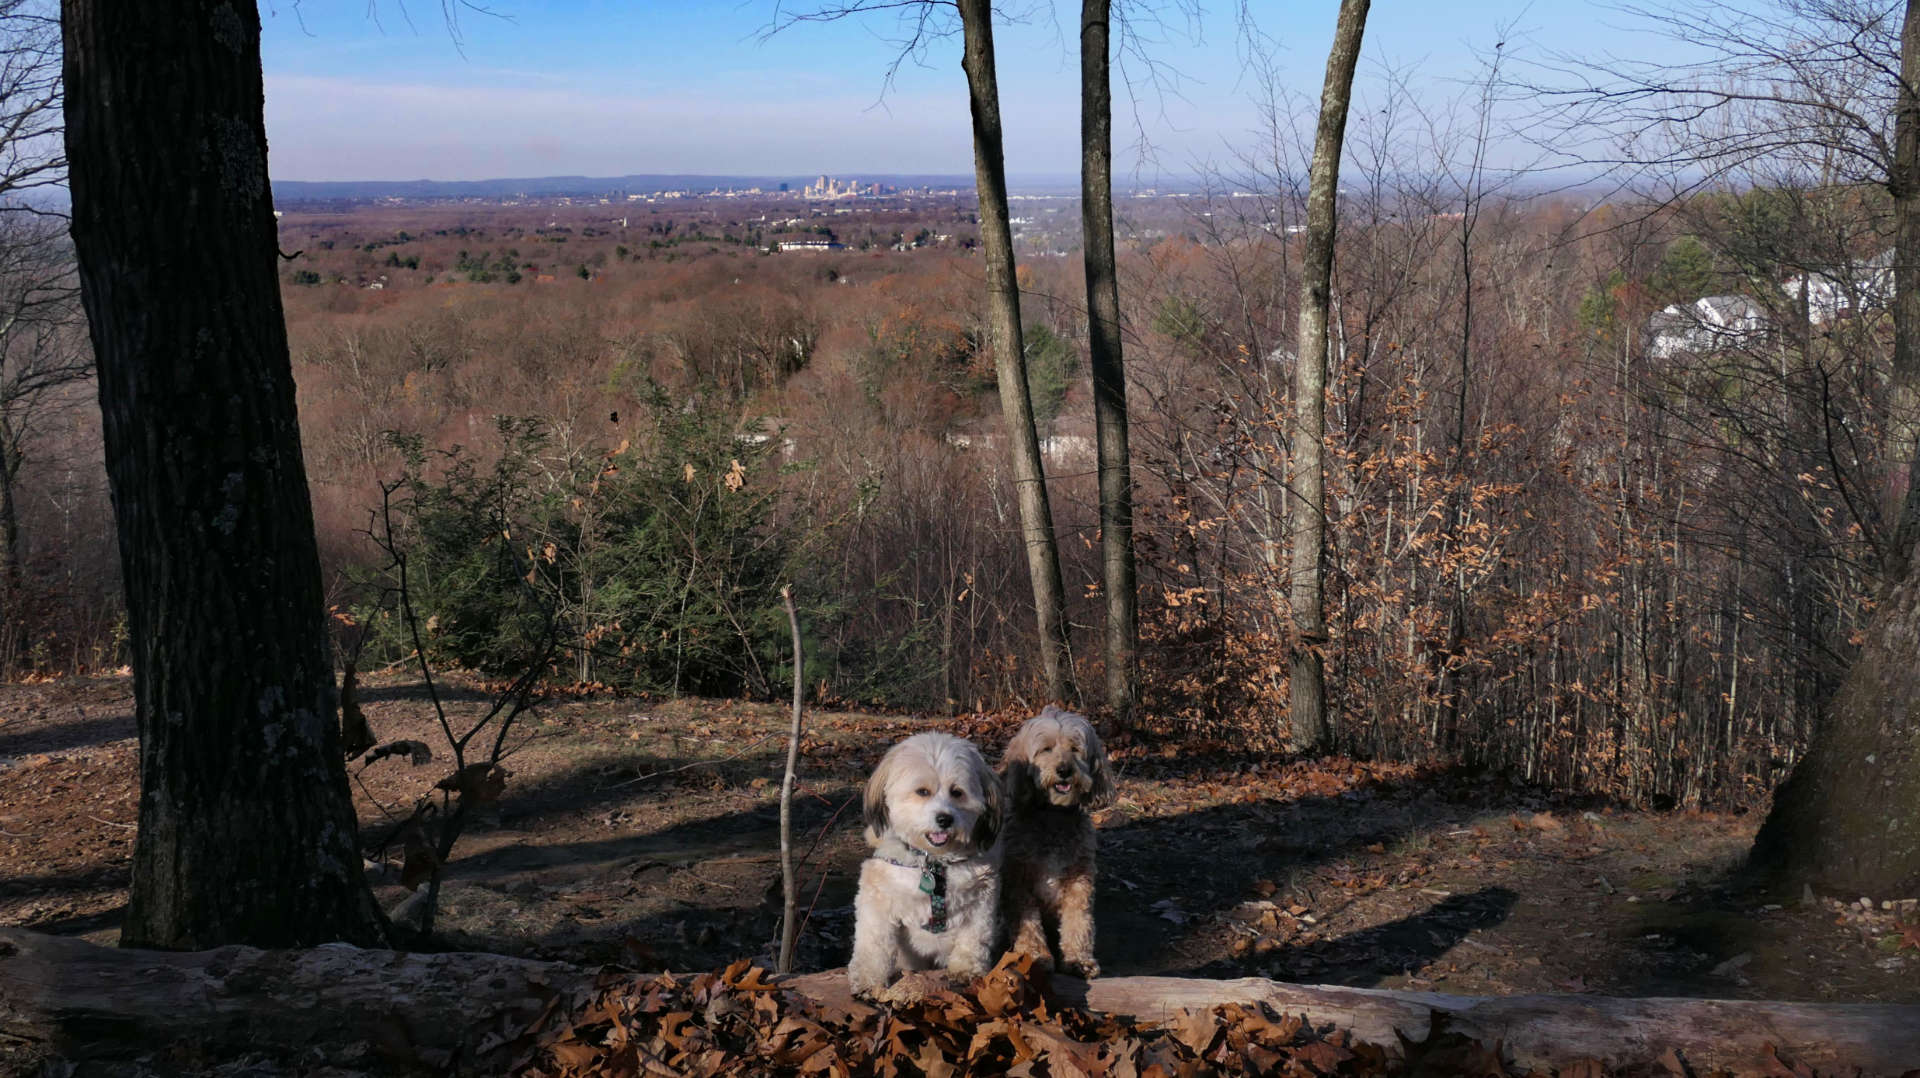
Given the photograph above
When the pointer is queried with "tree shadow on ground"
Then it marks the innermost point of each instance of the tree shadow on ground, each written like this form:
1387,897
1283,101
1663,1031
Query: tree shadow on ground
630,846
1165,881
89,877
1727,934
1192,867
617,854
450,692
64,734
79,924
78,900
688,895
620,793
1368,957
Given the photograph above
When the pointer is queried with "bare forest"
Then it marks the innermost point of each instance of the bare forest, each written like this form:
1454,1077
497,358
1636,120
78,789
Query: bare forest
1475,515
1555,549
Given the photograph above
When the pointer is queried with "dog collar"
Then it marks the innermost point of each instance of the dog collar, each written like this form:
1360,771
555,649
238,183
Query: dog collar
933,884
933,881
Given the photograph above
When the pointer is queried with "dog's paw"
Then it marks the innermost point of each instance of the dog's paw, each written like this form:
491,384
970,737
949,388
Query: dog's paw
1084,968
911,988
867,984
1042,960
961,974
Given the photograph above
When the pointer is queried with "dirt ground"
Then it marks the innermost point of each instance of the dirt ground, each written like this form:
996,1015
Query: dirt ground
645,833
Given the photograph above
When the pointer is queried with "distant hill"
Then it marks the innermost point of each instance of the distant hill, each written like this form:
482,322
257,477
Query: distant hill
291,191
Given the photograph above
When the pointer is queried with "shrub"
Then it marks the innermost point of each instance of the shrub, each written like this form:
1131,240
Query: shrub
656,559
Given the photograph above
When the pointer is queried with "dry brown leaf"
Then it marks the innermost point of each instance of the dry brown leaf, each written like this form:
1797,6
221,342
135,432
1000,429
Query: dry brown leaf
744,976
1195,1029
934,1063
1909,935
417,752
1064,1054
569,1054
477,783
420,859
1674,1065
1324,1057
1780,1068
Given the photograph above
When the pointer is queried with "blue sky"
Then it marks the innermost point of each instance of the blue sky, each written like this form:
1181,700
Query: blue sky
601,87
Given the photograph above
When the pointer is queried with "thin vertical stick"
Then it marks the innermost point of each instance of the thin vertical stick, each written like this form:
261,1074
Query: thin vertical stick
789,926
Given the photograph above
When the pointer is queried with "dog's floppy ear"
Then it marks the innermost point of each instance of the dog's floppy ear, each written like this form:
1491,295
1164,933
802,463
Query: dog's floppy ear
1016,767
1100,790
874,808
992,791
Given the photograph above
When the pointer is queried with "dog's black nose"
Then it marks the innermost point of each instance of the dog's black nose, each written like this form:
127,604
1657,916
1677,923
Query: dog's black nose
943,820
1063,776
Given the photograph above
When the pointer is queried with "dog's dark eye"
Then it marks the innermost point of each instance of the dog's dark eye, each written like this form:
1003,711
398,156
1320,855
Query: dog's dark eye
958,794
923,792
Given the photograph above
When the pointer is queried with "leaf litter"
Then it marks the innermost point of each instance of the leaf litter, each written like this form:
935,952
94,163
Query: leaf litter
744,1021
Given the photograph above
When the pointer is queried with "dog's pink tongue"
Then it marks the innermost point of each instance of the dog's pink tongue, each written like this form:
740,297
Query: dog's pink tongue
939,838
1062,787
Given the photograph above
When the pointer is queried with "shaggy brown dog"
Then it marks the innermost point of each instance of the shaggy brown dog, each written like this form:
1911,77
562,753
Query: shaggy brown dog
1055,770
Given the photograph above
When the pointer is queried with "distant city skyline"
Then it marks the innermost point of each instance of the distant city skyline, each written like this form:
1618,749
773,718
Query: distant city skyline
604,88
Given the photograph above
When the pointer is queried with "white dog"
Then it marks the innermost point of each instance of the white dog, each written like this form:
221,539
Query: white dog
929,894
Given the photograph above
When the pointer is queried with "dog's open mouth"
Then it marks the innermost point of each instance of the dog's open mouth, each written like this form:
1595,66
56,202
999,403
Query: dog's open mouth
939,838
1063,788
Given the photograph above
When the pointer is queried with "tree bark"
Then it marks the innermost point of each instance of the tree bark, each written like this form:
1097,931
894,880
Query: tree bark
379,1011
1009,352
1307,712
1105,357
246,829
1546,1033
1848,819
390,1012
1903,187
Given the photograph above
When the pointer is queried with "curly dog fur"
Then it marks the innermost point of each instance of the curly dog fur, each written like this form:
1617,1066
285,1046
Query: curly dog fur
1055,770
933,814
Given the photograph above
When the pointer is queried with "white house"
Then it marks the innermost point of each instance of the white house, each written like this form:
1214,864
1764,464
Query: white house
1708,324
1857,286
818,244
1063,448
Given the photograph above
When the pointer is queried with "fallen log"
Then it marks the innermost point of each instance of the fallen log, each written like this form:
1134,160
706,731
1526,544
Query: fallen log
384,1011
1538,1032
336,1005
1549,1032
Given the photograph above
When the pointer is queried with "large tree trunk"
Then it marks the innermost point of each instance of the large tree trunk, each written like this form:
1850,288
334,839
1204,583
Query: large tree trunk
1848,819
247,832
1009,351
1903,187
1103,348
391,1013
1307,712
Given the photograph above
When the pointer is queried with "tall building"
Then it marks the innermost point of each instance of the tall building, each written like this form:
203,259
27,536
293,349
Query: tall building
829,187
